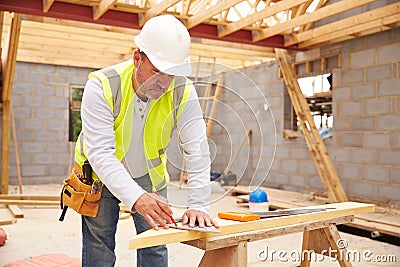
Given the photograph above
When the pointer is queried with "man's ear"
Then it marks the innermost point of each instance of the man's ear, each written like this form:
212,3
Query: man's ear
136,58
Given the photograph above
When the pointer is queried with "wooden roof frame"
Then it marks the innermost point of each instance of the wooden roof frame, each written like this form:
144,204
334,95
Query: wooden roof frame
128,19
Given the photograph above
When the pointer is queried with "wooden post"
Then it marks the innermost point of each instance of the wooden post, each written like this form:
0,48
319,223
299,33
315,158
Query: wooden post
9,57
217,95
315,143
232,256
324,240
14,134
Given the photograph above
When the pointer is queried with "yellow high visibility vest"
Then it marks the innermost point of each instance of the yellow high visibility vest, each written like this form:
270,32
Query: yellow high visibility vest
161,119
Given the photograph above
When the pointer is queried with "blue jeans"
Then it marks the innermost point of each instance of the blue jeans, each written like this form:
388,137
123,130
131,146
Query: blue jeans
98,234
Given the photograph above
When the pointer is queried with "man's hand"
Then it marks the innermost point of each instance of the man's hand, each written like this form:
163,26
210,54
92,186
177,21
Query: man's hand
191,216
154,208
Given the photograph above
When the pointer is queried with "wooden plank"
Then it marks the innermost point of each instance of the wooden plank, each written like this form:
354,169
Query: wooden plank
46,5
102,8
67,31
16,148
229,240
356,35
305,262
318,14
6,217
264,13
210,118
205,14
166,236
16,211
353,31
9,55
341,25
29,197
375,226
306,27
30,202
155,10
1,27
334,239
232,256
383,220
5,146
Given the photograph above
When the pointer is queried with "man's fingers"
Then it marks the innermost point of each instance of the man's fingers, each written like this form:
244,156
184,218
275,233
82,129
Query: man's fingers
150,220
214,222
203,219
207,221
192,220
184,219
200,220
165,215
165,208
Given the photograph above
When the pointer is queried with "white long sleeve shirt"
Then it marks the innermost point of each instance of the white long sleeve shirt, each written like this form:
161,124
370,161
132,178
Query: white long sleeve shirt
98,131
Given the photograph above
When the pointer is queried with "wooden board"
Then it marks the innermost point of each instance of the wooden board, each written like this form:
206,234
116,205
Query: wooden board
30,202
16,211
6,217
29,197
385,220
166,236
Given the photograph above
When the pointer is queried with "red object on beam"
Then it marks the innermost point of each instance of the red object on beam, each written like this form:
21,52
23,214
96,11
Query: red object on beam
83,13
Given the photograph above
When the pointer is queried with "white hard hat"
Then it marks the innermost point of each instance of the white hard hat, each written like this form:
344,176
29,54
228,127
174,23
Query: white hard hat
166,42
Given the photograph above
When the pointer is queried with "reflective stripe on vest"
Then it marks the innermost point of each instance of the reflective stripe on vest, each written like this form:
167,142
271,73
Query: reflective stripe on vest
161,119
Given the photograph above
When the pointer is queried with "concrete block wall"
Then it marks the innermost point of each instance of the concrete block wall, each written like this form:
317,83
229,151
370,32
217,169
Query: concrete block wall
365,145
242,109
367,116
40,99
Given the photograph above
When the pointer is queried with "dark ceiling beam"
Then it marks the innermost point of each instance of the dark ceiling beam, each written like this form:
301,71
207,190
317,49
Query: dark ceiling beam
83,13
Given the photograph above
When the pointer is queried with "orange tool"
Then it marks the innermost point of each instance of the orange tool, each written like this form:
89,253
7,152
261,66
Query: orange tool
238,216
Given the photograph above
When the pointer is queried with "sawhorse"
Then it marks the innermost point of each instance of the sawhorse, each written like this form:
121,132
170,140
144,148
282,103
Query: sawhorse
231,250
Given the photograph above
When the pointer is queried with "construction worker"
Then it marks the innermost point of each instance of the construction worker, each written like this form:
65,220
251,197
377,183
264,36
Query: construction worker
129,111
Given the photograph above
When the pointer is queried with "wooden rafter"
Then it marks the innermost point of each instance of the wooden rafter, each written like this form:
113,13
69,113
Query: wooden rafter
102,8
267,31
362,21
318,14
186,4
301,10
1,27
46,5
205,14
306,27
360,34
198,5
266,12
69,44
156,10
9,56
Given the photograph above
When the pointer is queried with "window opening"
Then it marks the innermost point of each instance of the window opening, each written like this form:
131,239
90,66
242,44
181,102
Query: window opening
75,122
318,93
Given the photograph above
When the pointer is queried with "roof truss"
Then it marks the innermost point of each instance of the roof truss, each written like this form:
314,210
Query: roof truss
247,30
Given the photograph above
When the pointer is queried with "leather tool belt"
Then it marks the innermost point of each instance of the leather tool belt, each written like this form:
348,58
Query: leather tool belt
81,197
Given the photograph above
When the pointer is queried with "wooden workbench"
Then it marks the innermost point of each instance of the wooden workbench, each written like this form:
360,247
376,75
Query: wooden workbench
230,247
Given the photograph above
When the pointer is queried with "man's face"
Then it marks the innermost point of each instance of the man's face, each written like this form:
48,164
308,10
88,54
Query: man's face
151,82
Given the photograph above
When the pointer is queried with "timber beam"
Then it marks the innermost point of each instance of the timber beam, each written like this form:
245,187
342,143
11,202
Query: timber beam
128,19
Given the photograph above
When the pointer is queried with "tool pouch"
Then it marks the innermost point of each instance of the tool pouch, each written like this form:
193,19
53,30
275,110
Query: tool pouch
77,195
